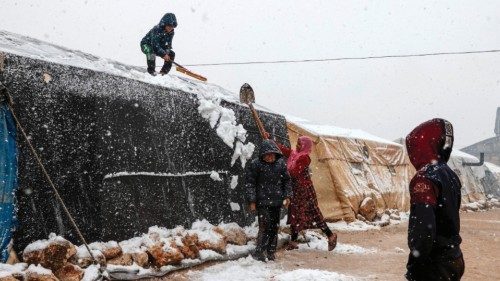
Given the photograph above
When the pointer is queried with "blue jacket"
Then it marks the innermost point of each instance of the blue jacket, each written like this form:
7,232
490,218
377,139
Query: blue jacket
158,39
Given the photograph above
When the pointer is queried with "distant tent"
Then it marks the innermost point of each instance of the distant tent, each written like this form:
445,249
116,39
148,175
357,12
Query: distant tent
493,172
350,165
8,178
477,181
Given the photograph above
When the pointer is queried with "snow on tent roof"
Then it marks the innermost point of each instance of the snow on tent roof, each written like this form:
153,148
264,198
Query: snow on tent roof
492,167
461,154
333,131
36,49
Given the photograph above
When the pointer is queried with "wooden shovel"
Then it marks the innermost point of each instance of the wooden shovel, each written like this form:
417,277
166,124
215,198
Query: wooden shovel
188,72
247,96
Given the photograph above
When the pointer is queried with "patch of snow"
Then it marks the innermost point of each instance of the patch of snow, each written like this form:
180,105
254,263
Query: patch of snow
91,273
205,232
209,255
235,206
243,152
36,49
319,242
186,174
356,225
133,245
42,244
82,252
239,270
234,182
39,269
215,176
312,275
102,246
352,249
461,154
333,131
492,167
11,269
248,269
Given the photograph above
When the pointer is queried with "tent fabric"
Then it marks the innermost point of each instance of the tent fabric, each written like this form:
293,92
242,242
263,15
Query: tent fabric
346,170
477,181
8,179
493,181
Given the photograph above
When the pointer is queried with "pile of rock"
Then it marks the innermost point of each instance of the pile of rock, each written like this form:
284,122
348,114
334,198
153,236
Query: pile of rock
368,213
58,259
489,203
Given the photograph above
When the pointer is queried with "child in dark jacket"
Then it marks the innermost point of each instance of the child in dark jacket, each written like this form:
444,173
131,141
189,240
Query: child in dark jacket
158,42
268,188
435,196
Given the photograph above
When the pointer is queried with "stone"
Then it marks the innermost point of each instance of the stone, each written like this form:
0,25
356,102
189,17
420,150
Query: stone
165,254
189,246
395,217
360,217
233,234
141,258
368,209
123,259
69,272
113,252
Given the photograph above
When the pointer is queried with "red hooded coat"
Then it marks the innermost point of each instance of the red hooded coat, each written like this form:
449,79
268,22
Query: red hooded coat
303,212
434,224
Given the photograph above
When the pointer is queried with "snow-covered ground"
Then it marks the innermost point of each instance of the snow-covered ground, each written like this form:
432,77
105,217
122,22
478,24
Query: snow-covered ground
247,268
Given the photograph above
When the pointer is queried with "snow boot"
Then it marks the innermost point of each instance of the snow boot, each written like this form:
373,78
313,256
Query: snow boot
151,67
166,68
259,256
332,242
292,245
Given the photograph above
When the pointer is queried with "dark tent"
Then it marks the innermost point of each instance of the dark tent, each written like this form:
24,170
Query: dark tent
125,154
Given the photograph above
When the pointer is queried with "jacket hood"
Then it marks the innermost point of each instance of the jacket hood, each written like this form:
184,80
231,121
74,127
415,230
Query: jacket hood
431,141
306,145
168,19
268,146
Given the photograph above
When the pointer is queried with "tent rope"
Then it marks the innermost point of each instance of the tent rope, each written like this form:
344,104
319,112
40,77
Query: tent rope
42,167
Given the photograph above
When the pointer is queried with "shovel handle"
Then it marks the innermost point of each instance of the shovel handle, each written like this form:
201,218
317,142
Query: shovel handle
262,131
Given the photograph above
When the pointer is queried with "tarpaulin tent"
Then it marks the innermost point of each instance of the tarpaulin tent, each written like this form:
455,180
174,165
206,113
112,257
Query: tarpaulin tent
125,150
8,177
493,172
477,181
349,165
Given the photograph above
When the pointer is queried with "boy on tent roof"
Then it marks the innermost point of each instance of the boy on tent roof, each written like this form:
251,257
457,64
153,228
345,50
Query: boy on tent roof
158,42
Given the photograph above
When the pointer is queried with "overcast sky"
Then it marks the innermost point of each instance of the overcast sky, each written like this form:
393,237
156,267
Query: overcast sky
386,97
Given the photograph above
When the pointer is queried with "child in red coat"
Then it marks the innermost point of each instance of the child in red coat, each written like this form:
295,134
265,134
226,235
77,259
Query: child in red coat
304,212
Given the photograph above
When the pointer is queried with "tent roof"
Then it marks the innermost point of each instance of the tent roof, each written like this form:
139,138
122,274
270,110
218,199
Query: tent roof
461,154
36,49
493,168
333,131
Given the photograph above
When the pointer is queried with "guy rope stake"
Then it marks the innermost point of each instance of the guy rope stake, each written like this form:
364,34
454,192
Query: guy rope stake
3,91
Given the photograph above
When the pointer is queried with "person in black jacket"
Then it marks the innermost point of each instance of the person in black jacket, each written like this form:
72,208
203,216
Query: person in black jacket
268,187
158,42
435,196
